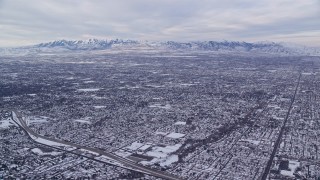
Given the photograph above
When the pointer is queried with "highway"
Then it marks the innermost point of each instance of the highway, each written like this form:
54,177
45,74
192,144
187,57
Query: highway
278,141
119,161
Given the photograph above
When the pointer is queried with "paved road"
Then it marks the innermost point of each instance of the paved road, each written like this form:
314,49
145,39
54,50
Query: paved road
127,164
278,141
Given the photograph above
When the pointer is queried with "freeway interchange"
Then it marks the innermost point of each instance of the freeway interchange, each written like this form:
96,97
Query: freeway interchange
109,158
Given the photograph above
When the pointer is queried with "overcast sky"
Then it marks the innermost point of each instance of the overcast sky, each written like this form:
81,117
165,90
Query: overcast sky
24,22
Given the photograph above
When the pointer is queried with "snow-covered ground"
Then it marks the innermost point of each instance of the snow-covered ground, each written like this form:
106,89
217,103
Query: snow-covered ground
122,153
15,118
99,107
88,90
84,120
161,133
144,147
180,123
48,142
169,160
162,155
307,73
134,146
32,94
70,148
88,82
6,123
70,78
160,152
90,152
41,153
156,154
175,135
293,165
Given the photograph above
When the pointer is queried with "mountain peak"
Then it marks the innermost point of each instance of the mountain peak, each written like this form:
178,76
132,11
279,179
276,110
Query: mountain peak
216,46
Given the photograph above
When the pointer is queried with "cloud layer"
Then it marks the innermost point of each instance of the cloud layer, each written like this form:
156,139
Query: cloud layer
27,22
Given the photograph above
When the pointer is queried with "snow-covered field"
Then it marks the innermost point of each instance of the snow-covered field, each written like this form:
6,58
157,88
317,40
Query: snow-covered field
99,107
144,147
162,155
85,120
122,153
70,78
41,153
134,146
88,82
175,135
169,160
161,133
88,90
6,123
180,123
32,94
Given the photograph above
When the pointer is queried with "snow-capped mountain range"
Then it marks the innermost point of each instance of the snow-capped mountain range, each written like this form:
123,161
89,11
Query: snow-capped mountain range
224,46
